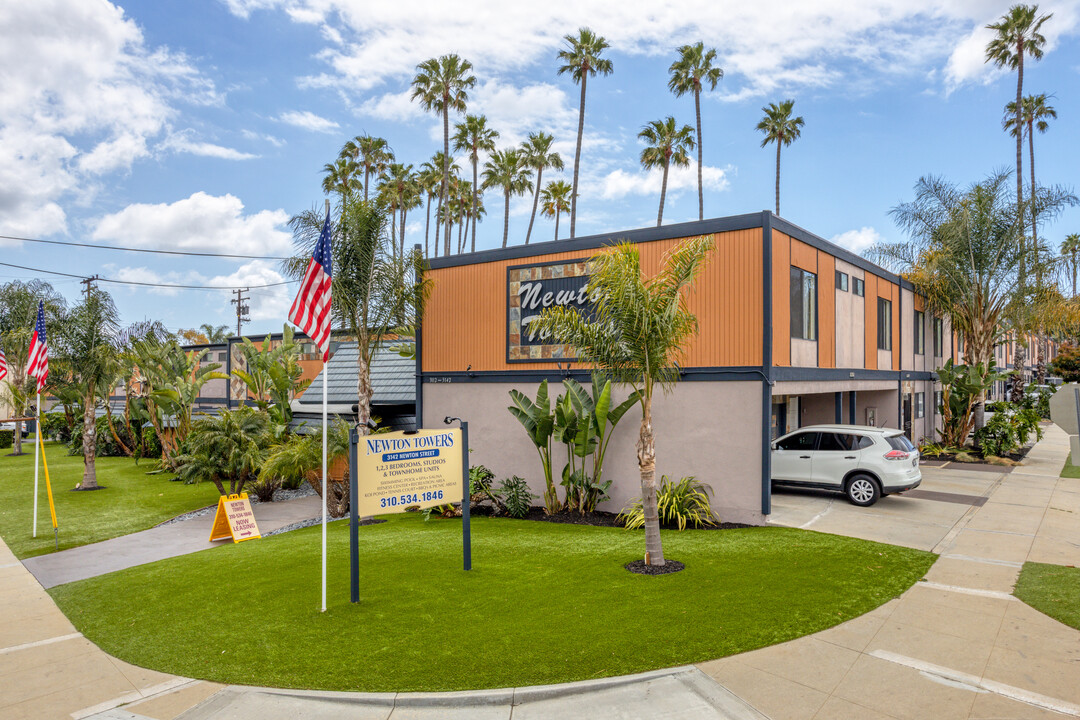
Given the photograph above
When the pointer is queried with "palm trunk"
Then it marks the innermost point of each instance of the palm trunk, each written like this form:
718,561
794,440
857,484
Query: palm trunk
536,201
446,168
1034,214
404,213
17,438
1074,274
1019,161
700,192
577,154
475,190
646,453
89,481
663,193
557,214
367,174
130,452
779,142
506,217
460,237
427,225
438,227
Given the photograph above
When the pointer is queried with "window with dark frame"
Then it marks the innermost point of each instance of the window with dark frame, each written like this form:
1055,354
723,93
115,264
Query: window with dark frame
841,281
920,405
803,304
938,396
920,332
938,337
859,286
884,324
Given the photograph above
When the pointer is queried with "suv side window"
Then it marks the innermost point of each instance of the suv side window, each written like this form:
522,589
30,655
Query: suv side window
900,442
865,441
837,442
801,441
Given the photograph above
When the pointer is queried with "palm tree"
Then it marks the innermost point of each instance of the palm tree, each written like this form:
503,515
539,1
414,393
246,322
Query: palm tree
1070,250
472,136
215,334
1017,34
582,59
781,128
556,201
438,159
693,68
1034,112
641,326
538,155
441,85
371,153
401,190
429,177
338,176
506,169
667,145
227,448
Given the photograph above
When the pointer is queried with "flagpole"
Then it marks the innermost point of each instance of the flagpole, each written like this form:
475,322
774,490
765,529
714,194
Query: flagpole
325,487
37,458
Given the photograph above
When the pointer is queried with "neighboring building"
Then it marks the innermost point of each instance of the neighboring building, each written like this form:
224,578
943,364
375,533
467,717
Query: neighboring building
793,331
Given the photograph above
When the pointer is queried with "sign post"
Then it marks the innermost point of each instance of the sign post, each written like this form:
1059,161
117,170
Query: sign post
400,471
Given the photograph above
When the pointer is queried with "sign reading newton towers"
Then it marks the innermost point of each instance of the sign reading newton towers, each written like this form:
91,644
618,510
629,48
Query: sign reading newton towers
530,289
402,470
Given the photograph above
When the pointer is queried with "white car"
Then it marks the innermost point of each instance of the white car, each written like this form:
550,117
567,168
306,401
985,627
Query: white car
865,463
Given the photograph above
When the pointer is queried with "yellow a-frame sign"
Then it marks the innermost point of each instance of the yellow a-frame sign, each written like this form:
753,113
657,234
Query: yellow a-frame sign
234,519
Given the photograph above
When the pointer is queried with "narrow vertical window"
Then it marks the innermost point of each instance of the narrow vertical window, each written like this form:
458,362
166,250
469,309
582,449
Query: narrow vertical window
803,304
919,329
841,281
884,324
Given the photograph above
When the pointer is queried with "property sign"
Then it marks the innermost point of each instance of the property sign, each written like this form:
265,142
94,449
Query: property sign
234,519
530,289
401,470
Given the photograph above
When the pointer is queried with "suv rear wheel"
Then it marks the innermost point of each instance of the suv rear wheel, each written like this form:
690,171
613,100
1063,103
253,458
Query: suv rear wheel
862,490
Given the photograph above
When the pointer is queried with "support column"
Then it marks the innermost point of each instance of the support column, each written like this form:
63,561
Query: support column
839,398
851,408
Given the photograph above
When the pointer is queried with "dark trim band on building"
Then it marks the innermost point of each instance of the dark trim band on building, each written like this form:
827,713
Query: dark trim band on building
766,362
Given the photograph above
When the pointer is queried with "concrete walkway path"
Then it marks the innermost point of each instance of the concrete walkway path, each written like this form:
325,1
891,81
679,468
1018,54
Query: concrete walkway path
956,645
166,541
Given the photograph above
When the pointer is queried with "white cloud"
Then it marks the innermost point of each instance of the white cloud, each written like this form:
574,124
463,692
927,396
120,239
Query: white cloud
858,241
82,95
620,183
200,223
182,142
262,138
308,121
266,303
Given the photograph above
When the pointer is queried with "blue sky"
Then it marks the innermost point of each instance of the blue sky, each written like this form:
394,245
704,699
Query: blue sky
203,124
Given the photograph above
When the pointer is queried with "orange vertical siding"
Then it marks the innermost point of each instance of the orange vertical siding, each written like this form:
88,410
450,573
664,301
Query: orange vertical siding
826,309
894,293
870,321
781,287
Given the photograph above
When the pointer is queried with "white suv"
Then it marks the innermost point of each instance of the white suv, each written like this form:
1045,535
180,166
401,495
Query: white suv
863,462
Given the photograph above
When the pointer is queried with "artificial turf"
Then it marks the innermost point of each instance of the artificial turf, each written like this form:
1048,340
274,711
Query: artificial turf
544,603
1053,590
131,500
1070,470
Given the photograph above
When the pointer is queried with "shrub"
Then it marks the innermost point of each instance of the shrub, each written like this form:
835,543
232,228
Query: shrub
677,503
151,445
516,497
7,439
999,436
106,443
54,426
265,486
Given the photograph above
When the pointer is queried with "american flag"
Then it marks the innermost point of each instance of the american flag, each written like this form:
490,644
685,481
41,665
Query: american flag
39,350
311,310
3,364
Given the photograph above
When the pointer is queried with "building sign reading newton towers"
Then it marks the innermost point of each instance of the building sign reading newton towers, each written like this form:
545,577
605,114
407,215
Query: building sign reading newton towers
530,289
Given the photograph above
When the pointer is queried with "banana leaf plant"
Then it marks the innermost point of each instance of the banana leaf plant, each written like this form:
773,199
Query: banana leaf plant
576,432
539,423
604,418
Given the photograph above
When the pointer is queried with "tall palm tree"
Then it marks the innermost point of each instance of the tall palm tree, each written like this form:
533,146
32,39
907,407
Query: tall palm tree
538,155
556,201
441,85
581,59
781,128
373,154
1017,34
1034,113
338,176
694,68
472,136
215,334
428,178
641,326
1070,250
402,191
667,146
506,169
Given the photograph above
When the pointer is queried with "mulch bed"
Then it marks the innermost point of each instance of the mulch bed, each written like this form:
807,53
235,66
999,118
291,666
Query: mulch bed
977,457
596,519
669,566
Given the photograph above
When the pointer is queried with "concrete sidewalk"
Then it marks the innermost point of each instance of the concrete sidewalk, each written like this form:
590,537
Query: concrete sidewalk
158,543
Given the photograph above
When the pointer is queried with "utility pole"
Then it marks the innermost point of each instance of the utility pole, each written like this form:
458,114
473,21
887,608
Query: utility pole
88,282
242,308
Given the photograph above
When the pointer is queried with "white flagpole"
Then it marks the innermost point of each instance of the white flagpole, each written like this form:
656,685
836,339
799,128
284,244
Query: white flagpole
37,458
325,487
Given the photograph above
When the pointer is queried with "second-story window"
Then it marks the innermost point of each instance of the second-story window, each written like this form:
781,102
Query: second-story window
920,332
858,286
884,324
841,281
803,304
939,337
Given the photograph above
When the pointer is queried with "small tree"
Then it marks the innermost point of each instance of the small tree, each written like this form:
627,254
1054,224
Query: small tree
227,449
272,374
641,327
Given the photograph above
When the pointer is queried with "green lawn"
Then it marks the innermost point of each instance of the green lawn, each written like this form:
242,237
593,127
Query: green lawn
544,603
132,500
1070,470
1051,589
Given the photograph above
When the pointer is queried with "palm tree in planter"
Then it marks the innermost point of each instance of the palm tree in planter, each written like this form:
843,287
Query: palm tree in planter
507,170
473,136
640,328
1070,250
667,146
689,73
538,156
779,127
581,58
555,201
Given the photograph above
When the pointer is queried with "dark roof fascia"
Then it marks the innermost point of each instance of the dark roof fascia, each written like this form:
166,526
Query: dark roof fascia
206,346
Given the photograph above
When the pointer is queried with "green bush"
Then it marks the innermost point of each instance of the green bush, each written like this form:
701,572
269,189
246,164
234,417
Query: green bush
54,426
677,503
516,497
151,445
999,436
7,439
106,443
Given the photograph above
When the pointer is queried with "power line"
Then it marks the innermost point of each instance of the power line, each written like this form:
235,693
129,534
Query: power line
143,250
145,284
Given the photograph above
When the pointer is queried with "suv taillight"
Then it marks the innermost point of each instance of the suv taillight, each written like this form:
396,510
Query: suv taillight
897,455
